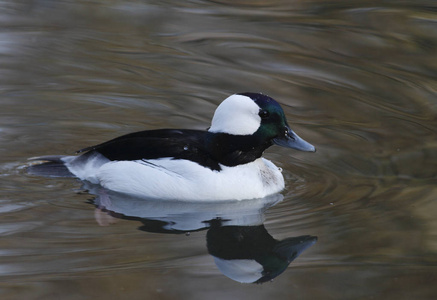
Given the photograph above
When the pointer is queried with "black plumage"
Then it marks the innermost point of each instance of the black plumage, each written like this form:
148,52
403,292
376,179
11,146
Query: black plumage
153,144
205,148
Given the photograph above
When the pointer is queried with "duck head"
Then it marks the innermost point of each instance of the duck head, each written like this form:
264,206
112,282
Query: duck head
258,116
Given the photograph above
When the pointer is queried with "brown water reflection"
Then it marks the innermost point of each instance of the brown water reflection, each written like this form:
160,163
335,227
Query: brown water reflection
357,80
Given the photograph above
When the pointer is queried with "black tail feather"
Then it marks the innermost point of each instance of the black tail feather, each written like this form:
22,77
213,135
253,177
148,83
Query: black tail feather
49,166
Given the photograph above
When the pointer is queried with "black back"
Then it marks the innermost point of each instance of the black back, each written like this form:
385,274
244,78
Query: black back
205,148
153,144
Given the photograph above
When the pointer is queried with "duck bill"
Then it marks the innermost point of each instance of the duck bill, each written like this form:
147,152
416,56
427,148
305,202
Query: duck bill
292,140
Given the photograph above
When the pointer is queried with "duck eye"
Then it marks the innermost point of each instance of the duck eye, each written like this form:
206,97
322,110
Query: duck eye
264,114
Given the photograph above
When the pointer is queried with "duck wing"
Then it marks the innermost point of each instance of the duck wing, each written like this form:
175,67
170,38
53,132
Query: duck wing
153,144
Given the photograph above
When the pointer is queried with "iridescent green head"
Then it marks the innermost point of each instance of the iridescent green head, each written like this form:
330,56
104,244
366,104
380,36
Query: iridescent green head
257,115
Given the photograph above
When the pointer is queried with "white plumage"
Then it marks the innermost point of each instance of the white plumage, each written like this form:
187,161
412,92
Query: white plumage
236,115
167,178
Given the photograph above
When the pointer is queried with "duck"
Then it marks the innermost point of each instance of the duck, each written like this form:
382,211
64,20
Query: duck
223,162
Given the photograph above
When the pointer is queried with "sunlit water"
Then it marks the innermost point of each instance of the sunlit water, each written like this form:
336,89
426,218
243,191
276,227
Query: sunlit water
356,80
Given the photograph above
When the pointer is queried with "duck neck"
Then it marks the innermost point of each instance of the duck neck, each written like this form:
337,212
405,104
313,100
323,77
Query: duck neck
232,150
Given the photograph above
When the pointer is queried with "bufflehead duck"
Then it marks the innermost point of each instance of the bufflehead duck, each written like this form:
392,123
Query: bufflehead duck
225,162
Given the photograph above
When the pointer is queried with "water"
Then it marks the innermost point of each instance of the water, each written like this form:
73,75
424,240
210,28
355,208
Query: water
357,80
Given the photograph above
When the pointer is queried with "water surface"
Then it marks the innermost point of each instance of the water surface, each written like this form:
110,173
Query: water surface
356,80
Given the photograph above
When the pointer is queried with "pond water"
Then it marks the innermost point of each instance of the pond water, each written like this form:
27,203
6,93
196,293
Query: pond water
356,79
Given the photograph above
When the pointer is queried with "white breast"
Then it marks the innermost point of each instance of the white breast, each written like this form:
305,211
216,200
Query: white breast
185,180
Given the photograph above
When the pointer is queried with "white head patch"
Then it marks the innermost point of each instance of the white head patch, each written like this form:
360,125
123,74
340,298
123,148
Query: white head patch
236,115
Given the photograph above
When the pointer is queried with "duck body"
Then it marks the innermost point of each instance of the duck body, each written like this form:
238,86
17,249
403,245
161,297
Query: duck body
225,162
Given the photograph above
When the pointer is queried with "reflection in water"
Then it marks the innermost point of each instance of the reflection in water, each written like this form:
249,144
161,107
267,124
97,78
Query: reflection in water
249,254
242,248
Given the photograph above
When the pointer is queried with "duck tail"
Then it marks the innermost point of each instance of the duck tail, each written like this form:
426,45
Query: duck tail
49,166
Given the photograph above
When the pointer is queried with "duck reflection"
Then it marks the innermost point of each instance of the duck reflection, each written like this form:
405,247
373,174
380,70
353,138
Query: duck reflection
249,254
242,248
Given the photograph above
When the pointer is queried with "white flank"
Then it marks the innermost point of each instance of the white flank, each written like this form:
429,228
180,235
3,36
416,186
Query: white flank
236,115
182,180
85,167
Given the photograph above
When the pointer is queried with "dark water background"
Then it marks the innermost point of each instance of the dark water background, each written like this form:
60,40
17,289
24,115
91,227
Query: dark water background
356,78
